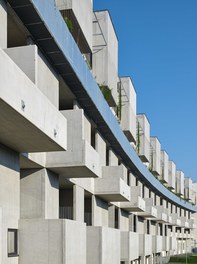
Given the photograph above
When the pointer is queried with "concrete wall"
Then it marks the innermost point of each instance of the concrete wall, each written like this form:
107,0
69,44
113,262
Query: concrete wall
171,174
54,241
9,198
164,166
37,120
105,61
103,245
123,220
39,194
83,14
155,156
180,182
129,246
145,242
35,66
128,119
188,188
113,160
143,129
100,147
3,24
99,212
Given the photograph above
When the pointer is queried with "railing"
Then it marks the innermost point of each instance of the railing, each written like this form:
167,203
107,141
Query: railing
66,212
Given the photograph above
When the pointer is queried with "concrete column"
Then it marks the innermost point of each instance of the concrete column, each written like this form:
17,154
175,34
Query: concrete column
3,24
100,147
132,180
39,194
123,220
112,216
146,192
78,203
96,213
113,160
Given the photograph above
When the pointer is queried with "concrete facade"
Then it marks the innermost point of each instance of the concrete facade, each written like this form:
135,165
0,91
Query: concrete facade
76,184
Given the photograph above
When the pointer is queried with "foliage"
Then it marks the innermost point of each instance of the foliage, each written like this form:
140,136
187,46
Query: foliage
182,259
119,107
69,23
106,91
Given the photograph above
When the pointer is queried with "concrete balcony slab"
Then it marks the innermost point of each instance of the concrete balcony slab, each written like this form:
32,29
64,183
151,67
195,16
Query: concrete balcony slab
157,244
29,121
129,246
145,242
82,163
103,245
150,210
137,204
55,239
111,186
80,160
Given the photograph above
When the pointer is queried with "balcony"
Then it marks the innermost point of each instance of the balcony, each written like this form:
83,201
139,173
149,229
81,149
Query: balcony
103,245
145,242
162,217
78,17
80,160
128,117
56,239
184,222
136,203
164,167
173,245
111,187
175,220
171,174
166,243
191,223
157,242
155,159
150,210
129,246
27,125
143,138
105,54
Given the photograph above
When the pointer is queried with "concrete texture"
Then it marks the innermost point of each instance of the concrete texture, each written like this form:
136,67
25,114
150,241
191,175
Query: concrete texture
100,213
105,62
155,156
78,203
55,241
129,246
9,198
128,118
172,174
83,14
103,245
39,194
111,186
143,129
3,24
37,124
80,159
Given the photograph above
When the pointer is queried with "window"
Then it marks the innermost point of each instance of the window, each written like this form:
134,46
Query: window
12,241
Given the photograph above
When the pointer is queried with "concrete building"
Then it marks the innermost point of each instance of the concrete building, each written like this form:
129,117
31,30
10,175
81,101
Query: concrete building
74,187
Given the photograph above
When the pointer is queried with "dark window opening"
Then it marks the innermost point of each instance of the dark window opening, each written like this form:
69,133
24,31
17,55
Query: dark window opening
12,241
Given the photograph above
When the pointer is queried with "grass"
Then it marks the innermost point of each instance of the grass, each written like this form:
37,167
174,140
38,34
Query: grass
182,259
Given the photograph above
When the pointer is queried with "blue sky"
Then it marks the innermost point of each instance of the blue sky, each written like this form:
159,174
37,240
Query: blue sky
158,49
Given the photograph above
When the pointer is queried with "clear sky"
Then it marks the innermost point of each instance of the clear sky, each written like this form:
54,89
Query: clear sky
158,49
